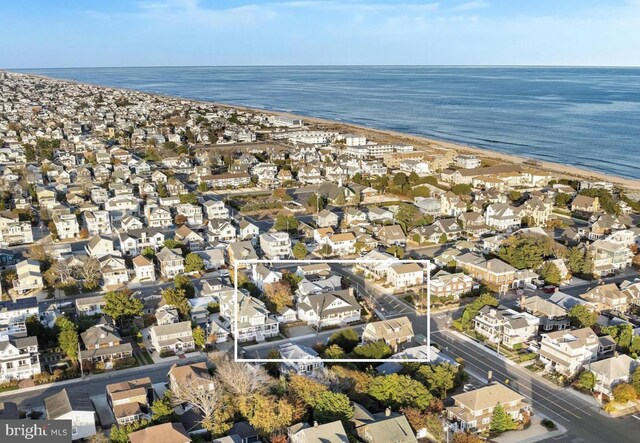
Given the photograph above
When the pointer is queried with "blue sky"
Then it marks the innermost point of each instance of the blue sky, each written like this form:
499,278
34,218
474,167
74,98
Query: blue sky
45,33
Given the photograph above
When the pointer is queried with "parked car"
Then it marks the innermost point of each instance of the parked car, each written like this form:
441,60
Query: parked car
549,289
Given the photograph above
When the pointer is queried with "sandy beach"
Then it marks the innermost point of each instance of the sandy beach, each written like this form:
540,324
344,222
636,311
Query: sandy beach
558,170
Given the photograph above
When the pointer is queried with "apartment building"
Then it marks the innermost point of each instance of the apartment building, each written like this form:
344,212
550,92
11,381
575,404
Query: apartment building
276,245
18,356
447,285
98,222
66,226
494,272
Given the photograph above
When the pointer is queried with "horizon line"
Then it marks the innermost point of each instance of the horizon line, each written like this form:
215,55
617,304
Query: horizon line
334,66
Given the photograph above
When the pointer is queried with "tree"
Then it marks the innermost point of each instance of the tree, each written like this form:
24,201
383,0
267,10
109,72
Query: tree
149,252
162,410
325,250
333,352
332,406
241,380
188,199
340,199
377,350
305,389
635,379
177,298
466,437
474,307
514,195
37,252
184,283
68,341
409,216
438,378
587,380
400,180
527,252
501,421
315,203
269,414
461,189
193,263
347,339
206,399
443,238
98,437
397,390
278,294
622,334
180,219
624,392
300,251
286,223
199,337
550,273
562,199
89,273
172,244
581,317
396,251
120,304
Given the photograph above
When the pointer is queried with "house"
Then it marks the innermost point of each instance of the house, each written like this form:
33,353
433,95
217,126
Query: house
212,258
405,275
241,250
607,297
503,217
144,268
392,235
329,308
90,305
325,219
609,257
66,226
130,223
276,245
114,271
190,375
393,332
99,246
429,354
447,285
134,241
174,337
29,277
473,410
220,230
130,401
494,272
60,406
103,343
552,317
382,427
226,180
164,433
193,213
342,244
253,323
166,315
612,371
171,262
247,230
98,222
584,203
568,350
261,276
332,432
14,313
354,216
506,326
376,214
216,209
158,217
190,238
19,356
13,231
302,359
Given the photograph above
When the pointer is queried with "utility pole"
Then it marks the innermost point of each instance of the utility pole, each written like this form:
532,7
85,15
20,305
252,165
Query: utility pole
80,361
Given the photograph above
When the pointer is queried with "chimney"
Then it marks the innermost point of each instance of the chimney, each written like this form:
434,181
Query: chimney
387,412
522,301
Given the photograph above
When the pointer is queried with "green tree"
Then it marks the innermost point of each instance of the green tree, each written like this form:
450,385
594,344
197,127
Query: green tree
438,378
149,252
120,305
461,189
332,406
527,252
622,334
562,200
68,340
501,421
396,251
299,251
286,223
474,307
400,180
624,392
270,414
172,244
325,250
177,299
184,283
397,390
162,410
193,263
188,199
550,273
316,203
199,337
443,238
409,216
581,317
333,352
635,379
161,187
378,349
587,380
514,195
347,339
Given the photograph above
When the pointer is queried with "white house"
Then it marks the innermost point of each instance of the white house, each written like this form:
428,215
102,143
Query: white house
405,275
60,406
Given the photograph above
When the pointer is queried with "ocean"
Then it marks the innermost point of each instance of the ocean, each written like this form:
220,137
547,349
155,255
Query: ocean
584,117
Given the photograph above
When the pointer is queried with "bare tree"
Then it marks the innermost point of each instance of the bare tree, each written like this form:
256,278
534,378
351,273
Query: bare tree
241,380
205,394
89,272
37,252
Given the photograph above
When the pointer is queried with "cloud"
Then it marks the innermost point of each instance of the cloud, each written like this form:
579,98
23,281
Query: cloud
469,6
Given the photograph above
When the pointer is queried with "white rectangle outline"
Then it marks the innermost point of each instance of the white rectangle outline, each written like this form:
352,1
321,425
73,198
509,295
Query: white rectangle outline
237,263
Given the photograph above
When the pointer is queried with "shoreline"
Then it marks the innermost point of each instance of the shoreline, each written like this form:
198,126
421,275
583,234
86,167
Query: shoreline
419,142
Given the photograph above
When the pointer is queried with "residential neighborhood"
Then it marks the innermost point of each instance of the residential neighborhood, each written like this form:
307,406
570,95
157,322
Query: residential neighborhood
178,271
